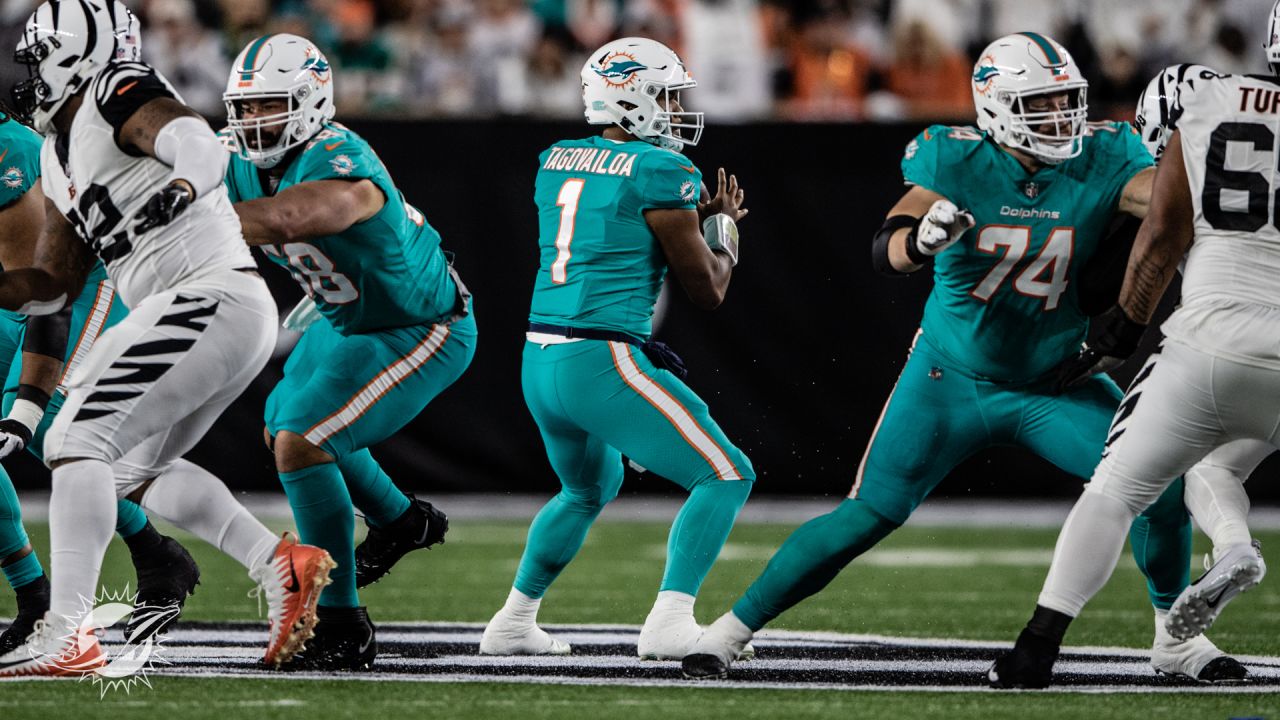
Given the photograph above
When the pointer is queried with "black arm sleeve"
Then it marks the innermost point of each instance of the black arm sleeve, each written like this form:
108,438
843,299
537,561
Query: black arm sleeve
47,334
1102,276
124,87
880,245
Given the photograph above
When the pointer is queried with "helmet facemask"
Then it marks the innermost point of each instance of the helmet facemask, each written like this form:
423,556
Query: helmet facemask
669,129
291,122
1062,139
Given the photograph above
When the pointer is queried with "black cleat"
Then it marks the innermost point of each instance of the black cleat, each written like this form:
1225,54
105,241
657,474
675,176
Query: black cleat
1029,665
33,603
344,640
703,666
167,575
421,526
1223,670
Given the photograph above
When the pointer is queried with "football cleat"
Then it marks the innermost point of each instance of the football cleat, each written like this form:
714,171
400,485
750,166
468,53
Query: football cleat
1195,659
1029,665
720,644
1239,569
421,526
51,652
671,636
505,635
33,603
167,575
344,640
291,581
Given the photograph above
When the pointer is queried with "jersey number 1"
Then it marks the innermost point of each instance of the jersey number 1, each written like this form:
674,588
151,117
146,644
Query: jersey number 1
567,201
1053,261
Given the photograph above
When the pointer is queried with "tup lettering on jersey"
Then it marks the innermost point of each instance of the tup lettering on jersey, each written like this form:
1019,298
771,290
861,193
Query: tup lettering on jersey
601,161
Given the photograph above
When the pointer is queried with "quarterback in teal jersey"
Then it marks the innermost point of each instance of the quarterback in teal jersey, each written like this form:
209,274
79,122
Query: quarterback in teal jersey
391,326
1009,214
35,356
615,211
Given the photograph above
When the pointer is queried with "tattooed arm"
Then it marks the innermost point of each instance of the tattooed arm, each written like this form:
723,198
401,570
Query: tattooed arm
61,264
1163,238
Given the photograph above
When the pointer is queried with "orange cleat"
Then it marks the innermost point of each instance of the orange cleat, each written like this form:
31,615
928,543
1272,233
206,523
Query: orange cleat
51,653
291,581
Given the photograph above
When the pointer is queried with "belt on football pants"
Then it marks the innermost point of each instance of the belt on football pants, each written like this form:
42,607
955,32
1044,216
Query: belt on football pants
658,353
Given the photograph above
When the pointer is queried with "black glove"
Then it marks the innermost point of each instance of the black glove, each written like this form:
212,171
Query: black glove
164,206
1119,340
14,436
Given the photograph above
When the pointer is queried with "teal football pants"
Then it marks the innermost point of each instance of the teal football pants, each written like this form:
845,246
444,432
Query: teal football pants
595,401
936,417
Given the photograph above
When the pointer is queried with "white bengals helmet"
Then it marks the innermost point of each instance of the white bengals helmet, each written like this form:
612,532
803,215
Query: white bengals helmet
64,45
631,82
1017,67
1273,40
1159,107
285,67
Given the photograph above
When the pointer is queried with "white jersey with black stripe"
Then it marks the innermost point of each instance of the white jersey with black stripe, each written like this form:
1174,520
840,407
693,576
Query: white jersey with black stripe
1230,138
100,187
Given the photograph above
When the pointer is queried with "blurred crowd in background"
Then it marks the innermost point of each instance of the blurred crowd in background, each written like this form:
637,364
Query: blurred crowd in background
795,60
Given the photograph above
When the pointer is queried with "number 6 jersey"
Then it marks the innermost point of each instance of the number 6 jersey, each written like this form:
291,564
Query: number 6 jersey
99,187
1231,283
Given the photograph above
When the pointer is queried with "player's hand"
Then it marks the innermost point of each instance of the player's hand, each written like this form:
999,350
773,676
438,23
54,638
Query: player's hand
1118,341
165,205
727,200
941,227
14,436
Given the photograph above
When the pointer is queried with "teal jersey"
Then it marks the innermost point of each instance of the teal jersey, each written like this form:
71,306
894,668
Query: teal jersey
601,266
388,271
19,168
1004,304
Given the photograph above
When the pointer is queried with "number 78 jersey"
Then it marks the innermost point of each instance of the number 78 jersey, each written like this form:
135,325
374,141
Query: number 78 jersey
387,271
1004,304
1230,134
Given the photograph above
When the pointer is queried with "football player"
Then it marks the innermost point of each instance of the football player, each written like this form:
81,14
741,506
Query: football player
1007,214
130,173
392,323
1212,383
615,212
39,358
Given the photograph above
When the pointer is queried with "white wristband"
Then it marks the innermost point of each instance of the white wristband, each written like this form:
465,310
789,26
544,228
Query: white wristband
27,413
721,234
43,307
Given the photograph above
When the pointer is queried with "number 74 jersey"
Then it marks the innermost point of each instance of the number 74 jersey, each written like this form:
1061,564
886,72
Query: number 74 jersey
1230,134
1004,303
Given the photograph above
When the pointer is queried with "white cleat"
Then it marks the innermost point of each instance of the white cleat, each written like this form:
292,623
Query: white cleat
506,636
1195,659
672,636
1239,569
50,652
721,643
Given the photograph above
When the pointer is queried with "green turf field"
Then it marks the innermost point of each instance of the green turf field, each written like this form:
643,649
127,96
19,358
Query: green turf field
977,584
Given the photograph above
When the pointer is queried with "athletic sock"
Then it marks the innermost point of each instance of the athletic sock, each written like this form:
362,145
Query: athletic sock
195,500
24,571
810,559
322,509
1161,542
555,536
1087,551
699,532
372,490
147,538
521,607
1049,624
129,518
82,511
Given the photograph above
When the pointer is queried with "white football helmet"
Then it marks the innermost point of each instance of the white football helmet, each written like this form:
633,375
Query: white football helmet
1159,107
631,83
64,45
280,66
1021,66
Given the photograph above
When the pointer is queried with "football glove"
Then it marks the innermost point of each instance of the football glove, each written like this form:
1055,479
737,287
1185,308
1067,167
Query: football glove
166,205
939,229
1118,341
14,437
